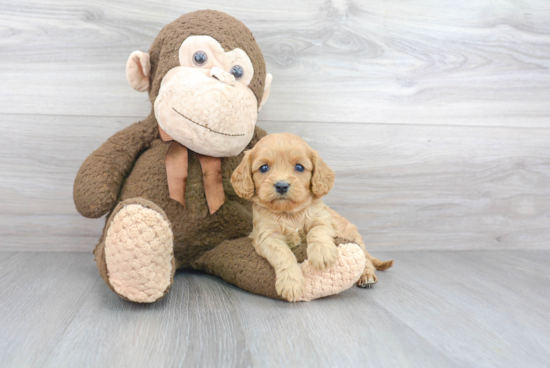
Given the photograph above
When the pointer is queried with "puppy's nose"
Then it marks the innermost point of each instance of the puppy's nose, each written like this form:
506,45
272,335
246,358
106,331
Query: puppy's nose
281,187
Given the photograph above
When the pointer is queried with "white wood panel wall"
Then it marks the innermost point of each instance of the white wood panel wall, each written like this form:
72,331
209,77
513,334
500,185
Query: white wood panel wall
434,114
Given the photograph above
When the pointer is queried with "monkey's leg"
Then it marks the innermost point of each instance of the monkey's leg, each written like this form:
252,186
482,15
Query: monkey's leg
237,262
136,256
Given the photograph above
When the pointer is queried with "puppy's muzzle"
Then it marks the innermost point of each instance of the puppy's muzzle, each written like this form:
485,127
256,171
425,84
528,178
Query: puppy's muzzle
282,187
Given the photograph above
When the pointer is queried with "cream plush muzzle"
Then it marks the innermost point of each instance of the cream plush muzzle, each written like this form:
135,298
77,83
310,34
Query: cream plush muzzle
205,114
201,103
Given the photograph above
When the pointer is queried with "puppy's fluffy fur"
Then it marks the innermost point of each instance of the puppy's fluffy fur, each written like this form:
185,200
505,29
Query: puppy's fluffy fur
284,220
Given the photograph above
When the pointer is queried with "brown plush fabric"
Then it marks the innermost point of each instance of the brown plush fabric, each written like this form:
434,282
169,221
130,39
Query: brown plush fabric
228,31
195,229
236,262
101,175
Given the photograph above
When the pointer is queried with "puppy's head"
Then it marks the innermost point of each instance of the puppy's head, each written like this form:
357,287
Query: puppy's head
282,173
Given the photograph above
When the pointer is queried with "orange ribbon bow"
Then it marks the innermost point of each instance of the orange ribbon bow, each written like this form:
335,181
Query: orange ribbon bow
176,169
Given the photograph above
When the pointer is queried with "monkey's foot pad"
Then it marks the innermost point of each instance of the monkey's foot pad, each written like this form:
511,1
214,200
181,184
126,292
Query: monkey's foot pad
138,254
341,276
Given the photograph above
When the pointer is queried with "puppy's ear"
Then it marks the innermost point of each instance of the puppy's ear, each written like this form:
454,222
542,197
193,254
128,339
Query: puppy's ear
242,177
322,179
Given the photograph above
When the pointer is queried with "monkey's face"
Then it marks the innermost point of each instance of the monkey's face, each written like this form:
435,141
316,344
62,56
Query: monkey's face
205,104
204,101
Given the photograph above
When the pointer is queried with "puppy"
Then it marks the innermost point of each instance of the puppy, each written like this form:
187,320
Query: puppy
285,179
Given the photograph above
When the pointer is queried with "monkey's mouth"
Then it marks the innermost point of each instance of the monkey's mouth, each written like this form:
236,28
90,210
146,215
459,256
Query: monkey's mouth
205,127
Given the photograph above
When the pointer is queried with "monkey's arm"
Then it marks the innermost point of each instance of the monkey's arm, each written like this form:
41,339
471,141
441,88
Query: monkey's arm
100,177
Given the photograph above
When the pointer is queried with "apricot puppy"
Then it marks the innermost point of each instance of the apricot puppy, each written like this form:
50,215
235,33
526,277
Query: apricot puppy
285,179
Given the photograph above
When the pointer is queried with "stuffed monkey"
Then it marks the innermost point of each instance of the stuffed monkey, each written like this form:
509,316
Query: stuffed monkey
164,182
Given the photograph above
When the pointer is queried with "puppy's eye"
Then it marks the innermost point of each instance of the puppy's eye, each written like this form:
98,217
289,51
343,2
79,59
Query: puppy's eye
200,58
237,71
299,168
264,169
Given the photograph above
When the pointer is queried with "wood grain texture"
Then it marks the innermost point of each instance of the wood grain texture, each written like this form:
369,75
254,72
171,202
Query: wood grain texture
424,62
434,114
406,187
424,187
433,309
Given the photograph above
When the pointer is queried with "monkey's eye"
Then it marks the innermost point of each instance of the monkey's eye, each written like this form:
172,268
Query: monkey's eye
200,58
299,168
264,169
237,71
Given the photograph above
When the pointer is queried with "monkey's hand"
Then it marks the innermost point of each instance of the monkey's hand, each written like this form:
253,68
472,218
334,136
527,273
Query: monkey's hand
100,177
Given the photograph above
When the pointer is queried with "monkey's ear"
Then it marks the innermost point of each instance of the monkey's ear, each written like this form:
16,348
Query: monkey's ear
138,69
242,177
268,80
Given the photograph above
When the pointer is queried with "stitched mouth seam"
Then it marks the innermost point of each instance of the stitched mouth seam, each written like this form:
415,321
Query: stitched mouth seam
205,127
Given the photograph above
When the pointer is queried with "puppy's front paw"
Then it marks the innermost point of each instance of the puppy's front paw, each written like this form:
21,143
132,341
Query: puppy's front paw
290,283
322,256
367,279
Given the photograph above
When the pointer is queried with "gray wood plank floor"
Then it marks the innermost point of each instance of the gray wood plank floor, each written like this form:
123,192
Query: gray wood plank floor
433,309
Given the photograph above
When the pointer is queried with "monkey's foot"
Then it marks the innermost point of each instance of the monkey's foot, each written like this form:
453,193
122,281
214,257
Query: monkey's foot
341,276
139,253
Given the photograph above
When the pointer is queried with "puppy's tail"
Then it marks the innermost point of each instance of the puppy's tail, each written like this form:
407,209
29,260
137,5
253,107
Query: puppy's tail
378,264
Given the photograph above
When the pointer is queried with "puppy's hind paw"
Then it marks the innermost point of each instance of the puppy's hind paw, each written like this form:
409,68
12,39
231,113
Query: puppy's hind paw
367,280
322,257
290,284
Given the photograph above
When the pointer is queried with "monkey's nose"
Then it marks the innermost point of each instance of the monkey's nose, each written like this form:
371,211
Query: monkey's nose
222,76
282,187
